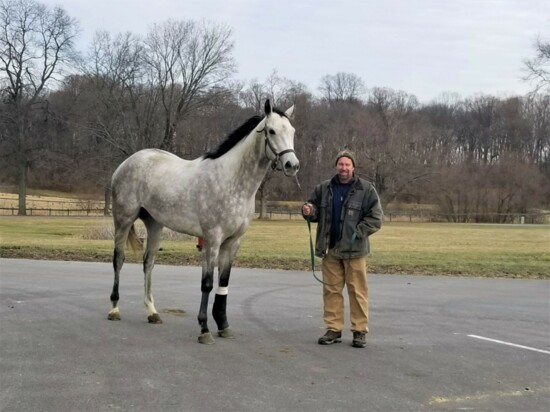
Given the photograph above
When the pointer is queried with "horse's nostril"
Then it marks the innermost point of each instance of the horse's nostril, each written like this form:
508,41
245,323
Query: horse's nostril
288,165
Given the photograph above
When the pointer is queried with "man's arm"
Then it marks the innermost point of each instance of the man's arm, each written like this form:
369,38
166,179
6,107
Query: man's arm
310,209
372,215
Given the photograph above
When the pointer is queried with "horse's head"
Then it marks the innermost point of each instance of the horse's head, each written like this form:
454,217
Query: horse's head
279,140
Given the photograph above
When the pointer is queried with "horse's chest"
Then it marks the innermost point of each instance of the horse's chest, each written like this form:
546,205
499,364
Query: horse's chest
231,213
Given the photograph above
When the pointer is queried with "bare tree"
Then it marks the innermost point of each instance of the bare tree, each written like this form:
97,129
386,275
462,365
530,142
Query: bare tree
537,140
125,101
36,44
538,68
254,95
119,104
187,59
393,143
342,87
281,91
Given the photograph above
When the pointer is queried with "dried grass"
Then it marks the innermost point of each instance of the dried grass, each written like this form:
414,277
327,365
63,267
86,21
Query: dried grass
106,231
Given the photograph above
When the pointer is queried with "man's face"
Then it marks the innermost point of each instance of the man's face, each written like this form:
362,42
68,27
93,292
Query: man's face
344,168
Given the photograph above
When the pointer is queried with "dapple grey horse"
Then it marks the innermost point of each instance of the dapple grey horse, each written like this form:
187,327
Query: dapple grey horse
210,197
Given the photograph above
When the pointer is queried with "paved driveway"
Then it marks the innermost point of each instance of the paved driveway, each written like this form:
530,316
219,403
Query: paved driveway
436,343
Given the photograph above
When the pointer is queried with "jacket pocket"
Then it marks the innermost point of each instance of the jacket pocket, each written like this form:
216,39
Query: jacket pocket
353,214
350,242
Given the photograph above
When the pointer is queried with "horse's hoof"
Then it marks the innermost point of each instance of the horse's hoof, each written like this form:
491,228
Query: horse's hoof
154,318
206,339
114,316
226,333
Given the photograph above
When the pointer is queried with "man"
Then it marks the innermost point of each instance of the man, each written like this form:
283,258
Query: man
347,211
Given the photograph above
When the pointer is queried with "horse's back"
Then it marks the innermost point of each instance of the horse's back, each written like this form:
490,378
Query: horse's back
145,157
149,164
147,179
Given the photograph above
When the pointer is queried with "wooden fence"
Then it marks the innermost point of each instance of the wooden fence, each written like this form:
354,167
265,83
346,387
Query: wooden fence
390,216
34,211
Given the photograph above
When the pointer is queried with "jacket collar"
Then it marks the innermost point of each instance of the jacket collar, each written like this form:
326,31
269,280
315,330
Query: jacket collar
355,182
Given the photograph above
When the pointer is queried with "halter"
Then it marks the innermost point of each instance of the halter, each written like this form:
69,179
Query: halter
277,160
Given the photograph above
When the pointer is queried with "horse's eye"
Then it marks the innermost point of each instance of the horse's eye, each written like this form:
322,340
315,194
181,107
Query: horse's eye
271,131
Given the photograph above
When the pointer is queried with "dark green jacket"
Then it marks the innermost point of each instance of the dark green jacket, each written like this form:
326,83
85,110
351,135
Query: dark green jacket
361,215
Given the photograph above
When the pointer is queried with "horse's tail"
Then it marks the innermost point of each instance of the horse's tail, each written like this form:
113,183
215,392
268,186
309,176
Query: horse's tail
134,241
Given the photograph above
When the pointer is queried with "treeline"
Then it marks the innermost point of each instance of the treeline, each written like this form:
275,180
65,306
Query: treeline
174,89
479,156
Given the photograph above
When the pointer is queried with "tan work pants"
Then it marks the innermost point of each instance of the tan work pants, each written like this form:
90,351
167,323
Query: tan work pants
352,273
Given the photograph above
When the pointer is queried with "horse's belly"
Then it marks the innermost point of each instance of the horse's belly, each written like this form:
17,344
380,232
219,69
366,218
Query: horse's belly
179,219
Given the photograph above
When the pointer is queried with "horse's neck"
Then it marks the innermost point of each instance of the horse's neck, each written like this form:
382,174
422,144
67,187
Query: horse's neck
248,163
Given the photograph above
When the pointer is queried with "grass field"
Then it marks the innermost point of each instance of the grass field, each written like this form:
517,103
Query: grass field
521,251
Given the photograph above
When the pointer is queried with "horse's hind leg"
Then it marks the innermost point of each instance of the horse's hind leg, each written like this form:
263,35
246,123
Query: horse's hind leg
154,231
121,235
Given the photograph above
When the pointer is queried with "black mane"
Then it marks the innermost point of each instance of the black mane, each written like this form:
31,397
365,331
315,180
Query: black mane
237,135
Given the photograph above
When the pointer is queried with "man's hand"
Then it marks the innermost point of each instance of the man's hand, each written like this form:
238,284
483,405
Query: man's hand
307,209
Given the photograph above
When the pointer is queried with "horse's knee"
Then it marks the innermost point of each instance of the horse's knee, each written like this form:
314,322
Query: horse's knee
207,284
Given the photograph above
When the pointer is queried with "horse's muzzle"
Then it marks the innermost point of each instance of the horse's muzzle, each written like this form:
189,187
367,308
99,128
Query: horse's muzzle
290,168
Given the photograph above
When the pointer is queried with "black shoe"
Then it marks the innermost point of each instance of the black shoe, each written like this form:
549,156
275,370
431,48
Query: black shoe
330,337
359,340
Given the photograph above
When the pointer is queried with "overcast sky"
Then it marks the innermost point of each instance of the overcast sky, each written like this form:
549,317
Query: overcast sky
422,47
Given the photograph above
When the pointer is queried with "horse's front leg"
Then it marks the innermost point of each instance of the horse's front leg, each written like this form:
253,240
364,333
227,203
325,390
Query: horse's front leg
207,283
220,304
219,311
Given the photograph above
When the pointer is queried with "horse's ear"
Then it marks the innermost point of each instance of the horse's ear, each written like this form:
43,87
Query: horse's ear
267,107
290,112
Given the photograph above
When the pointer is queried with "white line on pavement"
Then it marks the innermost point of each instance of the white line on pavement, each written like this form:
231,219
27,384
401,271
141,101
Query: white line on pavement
509,344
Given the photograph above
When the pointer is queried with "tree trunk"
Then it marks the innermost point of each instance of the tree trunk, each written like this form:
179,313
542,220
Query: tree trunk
23,187
263,204
107,196
169,139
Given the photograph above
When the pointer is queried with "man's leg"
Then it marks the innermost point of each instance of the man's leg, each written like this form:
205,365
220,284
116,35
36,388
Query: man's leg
333,299
358,291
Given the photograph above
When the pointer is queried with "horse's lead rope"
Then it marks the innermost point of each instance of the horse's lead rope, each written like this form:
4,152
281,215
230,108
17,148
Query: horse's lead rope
312,254
311,250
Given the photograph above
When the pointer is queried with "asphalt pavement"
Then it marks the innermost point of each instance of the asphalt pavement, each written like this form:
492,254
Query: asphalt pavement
435,344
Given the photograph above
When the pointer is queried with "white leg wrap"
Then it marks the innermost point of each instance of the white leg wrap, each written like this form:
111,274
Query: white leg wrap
222,290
